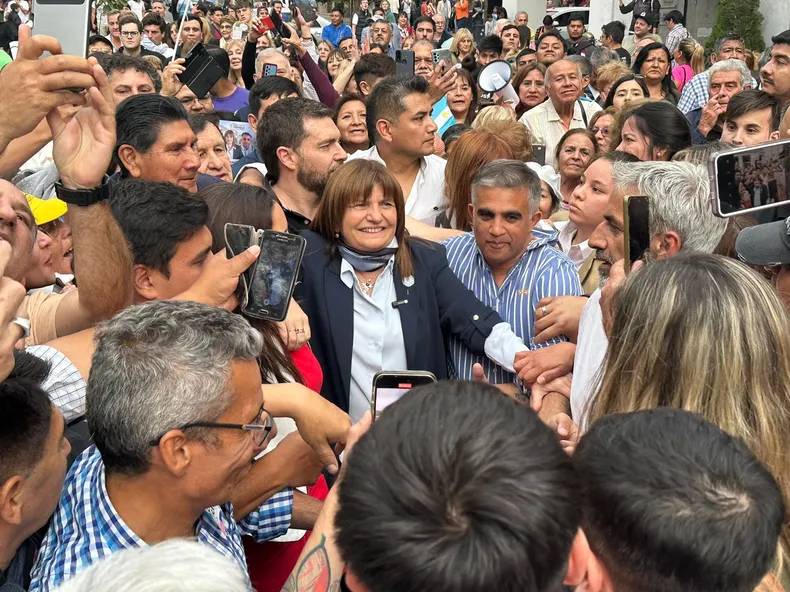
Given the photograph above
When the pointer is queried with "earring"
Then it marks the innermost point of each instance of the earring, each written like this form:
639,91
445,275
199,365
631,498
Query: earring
337,235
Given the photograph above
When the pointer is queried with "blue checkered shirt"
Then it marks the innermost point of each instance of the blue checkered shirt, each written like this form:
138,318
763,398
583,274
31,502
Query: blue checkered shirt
695,94
86,527
541,272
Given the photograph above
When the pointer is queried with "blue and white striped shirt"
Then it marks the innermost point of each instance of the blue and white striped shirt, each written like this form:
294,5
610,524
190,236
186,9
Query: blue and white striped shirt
541,272
86,527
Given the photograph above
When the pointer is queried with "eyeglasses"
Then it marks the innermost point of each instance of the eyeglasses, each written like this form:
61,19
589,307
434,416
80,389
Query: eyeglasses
259,430
130,34
604,131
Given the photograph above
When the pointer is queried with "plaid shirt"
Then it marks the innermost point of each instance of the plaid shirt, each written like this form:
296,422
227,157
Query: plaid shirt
695,93
674,37
86,527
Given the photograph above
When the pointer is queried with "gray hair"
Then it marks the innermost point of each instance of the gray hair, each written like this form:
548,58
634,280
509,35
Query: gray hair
520,12
701,153
509,174
585,65
724,39
731,65
679,195
600,56
159,366
260,60
178,565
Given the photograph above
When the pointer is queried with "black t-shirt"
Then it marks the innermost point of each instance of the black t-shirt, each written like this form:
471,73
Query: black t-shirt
624,55
296,222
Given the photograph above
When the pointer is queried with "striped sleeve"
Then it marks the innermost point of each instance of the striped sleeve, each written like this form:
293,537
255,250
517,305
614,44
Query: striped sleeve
560,278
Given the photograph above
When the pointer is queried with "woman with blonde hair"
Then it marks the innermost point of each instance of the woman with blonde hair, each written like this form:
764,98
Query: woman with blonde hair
462,45
607,75
690,57
493,113
706,334
235,49
515,136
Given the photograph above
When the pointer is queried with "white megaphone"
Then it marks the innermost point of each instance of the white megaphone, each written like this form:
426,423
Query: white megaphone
495,78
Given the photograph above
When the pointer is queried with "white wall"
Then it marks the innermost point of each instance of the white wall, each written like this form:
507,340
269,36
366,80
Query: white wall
536,9
606,11
776,18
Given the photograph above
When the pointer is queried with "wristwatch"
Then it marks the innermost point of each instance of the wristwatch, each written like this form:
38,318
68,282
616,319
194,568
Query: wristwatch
84,197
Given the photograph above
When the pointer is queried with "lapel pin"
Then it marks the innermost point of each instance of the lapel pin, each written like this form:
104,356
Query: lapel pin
408,281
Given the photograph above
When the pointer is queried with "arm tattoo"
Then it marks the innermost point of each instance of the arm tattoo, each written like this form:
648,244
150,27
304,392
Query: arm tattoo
313,574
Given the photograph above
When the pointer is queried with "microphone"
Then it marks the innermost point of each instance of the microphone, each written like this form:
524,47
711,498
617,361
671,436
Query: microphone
398,303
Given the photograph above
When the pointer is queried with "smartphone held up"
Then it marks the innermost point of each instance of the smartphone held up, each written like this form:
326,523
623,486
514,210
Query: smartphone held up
389,386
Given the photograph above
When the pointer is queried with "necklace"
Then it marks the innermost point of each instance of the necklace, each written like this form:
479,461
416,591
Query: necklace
367,285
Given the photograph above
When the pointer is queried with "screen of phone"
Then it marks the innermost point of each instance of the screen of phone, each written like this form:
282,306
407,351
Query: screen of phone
274,276
388,387
238,238
387,396
754,179
637,226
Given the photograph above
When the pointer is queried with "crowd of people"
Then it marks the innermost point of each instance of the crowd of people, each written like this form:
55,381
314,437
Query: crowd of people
594,426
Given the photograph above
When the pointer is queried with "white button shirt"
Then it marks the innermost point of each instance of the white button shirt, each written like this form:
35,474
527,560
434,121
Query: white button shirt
545,126
588,361
427,193
576,253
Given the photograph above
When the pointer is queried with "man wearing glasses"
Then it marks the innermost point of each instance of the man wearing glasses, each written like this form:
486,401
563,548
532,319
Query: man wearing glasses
132,38
175,406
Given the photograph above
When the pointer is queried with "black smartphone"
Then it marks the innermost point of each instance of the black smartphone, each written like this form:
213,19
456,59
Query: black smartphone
389,386
239,238
274,277
750,180
270,69
282,29
539,154
636,228
201,72
404,62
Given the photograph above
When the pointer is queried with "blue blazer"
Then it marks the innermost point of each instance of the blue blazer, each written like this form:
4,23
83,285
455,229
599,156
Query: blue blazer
439,305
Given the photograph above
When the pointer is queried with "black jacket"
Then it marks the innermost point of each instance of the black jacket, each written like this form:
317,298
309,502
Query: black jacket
439,305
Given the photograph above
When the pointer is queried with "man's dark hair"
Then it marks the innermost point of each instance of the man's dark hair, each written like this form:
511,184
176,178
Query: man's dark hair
221,57
194,17
615,30
121,62
130,18
675,16
155,19
672,503
198,123
387,100
243,4
373,65
782,38
548,21
338,8
508,28
214,8
490,43
525,52
99,39
377,10
750,100
266,87
246,134
204,7
282,124
576,16
156,217
550,34
140,118
425,19
460,508
732,36
25,416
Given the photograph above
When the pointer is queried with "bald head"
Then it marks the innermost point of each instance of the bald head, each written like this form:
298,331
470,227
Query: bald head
18,228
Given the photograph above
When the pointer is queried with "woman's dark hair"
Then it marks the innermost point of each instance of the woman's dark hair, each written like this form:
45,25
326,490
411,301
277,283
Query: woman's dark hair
662,125
671,93
625,78
246,204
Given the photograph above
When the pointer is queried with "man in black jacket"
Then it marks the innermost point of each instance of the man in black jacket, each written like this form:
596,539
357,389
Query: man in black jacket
578,44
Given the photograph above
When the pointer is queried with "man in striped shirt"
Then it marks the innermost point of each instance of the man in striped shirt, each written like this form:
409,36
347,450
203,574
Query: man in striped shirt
506,262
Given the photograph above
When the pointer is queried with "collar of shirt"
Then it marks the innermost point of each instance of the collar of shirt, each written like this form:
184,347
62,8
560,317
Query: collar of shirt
540,237
576,253
349,277
552,115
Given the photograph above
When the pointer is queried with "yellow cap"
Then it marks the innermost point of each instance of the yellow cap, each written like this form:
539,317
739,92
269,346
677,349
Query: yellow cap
46,210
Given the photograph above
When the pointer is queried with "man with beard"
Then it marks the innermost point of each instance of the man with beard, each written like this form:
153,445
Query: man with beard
775,74
300,145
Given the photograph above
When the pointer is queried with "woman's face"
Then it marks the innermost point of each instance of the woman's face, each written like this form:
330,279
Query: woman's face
41,272
460,98
264,42
332,66
591,196
465,45
602,129
234,53
385,6
214,158
403,21
226,30
575,155
656,66
627,91
370,225
351,123
323,51
408,43
532,90
545,201
633,142
229,140
174,34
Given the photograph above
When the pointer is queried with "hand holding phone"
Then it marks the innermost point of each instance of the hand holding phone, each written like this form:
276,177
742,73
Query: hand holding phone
443,58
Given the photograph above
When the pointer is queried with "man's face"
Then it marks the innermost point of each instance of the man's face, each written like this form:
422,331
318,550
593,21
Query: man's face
112,23
607,239
775,74
336,18
16,228
525,60
278,7
564,83
192,103
723,85
99,47
213,156
575,30
42,271
154,33
380,33
511,39
502,224
750,129
216,16
731,50
246,141
265,104
522,19
158,8
191,31
440,23
184,268
364,4
130,37
486,57
126,83
347,45
550,50
244,14
641,27
413,134
424,31
319,155
173,158
423,60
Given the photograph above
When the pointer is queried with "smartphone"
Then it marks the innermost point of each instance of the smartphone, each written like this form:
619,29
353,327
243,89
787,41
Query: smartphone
388,387
404,62
539,154
443,57
281,29
274,276
201,72
270,69
636,228
750,180
239,238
